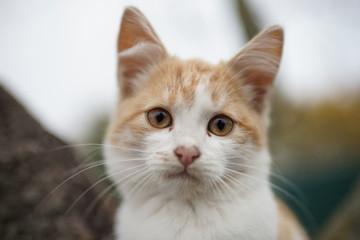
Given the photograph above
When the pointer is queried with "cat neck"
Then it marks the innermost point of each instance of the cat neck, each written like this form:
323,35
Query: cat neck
190,200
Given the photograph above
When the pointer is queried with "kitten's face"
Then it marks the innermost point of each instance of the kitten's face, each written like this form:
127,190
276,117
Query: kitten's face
188,105
185,126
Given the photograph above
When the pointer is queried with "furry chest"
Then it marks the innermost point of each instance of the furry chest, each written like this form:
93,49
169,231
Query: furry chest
183,221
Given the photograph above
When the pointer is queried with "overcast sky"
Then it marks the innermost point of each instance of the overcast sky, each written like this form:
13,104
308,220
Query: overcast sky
58,57
322,46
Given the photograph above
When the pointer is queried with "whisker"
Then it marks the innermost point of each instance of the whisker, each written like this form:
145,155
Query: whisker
115,161
107,190
264,170
216,185
232,178
87,159
139,184
259,179
247,166
289,195
96,183
213,185
81,171
98,198
277,176
98,145
225,186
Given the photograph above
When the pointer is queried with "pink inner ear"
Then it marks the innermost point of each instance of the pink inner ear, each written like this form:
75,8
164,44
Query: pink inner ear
260,83
257,64
128,71
129,67
134,62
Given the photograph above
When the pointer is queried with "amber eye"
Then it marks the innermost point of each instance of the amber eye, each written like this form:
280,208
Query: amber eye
220,125
159,118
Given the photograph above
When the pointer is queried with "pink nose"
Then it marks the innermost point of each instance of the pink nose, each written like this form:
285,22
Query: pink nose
187,155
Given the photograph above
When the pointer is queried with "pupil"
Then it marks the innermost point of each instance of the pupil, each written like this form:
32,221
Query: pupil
220,124
160,117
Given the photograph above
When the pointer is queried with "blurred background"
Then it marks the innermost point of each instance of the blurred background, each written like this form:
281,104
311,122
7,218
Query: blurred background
58,58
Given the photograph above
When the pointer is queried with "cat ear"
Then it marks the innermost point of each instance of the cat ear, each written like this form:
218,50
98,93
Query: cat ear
138,47
257,64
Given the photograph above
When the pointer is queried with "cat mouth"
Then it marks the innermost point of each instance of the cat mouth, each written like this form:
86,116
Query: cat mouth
182,175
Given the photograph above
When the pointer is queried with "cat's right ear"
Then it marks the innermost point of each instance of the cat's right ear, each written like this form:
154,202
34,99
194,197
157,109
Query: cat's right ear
139,48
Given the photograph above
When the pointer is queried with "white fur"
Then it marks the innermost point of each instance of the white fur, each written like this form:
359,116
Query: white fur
156,206
251,217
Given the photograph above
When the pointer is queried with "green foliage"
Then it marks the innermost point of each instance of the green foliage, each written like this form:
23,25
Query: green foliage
318,149
325,135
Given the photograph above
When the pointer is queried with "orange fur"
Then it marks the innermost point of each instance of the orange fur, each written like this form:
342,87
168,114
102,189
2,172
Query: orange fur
180,79
289,226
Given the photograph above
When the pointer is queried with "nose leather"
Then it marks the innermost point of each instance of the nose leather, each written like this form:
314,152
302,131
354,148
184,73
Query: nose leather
187,155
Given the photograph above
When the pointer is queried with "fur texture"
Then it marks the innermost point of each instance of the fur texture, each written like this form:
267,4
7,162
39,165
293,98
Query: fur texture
224,192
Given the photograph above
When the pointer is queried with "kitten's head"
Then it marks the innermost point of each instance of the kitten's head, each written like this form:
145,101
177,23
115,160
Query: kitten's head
186,126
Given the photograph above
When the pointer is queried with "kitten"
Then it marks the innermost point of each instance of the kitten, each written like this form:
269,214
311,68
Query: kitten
187,144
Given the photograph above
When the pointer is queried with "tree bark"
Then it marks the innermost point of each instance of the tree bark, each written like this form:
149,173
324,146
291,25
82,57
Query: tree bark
33,163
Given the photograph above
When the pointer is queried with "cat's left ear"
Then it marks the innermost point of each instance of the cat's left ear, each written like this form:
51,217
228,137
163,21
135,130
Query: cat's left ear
257,65
139,49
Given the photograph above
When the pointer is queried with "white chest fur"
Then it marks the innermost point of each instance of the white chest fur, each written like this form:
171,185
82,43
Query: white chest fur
253,217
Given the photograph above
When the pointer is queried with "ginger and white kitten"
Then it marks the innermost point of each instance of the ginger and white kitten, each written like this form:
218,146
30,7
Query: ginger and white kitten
187,144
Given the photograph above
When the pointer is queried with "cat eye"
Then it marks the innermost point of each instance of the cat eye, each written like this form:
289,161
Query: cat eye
220,125
159,118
